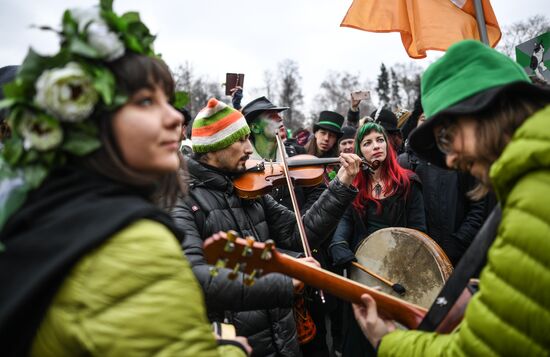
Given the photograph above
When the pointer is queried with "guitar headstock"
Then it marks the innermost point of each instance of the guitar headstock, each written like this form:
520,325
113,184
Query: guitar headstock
227,250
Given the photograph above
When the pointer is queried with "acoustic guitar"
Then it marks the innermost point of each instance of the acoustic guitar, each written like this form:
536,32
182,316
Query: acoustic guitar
255,259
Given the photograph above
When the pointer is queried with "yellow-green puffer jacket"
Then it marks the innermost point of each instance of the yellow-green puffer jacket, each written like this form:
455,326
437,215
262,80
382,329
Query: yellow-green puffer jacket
510,316
133,296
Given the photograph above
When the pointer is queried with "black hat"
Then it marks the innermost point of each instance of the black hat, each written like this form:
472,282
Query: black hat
330,121
186,115
7,74
258,105
348,133
386,118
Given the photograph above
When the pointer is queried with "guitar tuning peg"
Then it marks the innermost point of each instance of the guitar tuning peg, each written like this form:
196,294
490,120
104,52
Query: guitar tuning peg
232,235
266,253
231,238
247,250
234,273
215,270
221,263
250,279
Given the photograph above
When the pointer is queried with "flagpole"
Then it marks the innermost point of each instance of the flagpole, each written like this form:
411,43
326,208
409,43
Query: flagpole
481,26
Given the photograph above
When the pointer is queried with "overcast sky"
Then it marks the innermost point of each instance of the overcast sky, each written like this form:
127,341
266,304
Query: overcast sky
247,36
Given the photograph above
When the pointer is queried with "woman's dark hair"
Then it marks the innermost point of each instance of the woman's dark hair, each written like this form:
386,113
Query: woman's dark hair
311,148
132,73
395,178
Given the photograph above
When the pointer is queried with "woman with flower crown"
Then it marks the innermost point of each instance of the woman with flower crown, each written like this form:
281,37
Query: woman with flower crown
89,265
389,196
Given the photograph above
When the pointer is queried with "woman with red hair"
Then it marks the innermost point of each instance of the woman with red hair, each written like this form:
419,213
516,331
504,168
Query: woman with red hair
389,196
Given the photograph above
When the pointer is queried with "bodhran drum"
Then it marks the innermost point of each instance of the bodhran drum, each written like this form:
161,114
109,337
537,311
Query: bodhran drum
407,257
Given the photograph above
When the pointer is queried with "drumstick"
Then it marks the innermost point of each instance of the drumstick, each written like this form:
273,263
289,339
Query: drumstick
398,288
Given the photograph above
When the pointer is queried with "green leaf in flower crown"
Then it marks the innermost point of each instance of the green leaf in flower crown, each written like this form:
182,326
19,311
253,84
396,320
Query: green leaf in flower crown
133,43
15,89
86,127
35,174
104,83
13,192
180,99
119,100
70,26
131,17
80,144
32,67
116,23
5,103
30,157
106,5
13,150
80,47
48,158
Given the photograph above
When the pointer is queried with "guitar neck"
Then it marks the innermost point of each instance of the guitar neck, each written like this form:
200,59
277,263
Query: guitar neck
396,309
252,257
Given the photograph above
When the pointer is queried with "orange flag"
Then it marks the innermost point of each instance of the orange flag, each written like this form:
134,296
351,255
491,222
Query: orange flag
423,24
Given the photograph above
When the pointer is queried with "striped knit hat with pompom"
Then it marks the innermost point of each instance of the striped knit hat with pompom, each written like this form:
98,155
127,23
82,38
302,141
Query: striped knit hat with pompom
217,126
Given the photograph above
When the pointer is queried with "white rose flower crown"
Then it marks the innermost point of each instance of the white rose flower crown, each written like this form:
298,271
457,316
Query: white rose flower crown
52,97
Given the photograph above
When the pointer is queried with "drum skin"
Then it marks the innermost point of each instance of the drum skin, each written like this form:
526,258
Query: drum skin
405,256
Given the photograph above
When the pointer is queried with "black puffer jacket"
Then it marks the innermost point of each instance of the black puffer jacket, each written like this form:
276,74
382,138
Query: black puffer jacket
452,218
261,312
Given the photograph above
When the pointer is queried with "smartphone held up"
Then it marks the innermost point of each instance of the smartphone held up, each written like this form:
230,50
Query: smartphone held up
360,95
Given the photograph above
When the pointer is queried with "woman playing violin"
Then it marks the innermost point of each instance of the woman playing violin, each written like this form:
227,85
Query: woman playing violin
389,196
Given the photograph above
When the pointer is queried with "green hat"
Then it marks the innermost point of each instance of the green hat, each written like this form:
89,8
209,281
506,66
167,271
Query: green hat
464,81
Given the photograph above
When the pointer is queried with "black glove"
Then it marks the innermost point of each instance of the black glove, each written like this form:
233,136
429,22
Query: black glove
341,254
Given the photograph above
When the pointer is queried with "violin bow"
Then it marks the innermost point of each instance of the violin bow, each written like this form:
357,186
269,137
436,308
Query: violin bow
301,229
298,214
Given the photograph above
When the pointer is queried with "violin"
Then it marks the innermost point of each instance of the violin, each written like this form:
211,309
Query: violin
305,170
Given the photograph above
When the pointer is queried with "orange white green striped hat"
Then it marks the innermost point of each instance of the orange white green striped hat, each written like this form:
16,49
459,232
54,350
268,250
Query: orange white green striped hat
217,126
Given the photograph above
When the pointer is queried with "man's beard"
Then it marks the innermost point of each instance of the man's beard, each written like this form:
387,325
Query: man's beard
237,169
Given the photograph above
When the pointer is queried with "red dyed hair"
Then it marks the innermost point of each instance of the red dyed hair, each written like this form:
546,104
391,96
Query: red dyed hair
394,177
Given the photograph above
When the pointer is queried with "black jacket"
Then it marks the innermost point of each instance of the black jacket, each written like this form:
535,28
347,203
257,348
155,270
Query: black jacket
451,217
401,212
261,312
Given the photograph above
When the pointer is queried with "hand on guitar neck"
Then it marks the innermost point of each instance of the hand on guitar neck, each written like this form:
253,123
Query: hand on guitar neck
373,326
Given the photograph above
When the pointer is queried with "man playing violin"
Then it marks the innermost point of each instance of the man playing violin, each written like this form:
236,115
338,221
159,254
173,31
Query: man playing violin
261,312
265,120
484,116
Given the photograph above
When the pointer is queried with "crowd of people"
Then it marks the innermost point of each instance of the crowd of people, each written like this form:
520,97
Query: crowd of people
109,188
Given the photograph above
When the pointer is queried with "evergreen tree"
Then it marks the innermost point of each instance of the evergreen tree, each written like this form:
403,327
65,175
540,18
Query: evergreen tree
395,98
290,93
383,86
